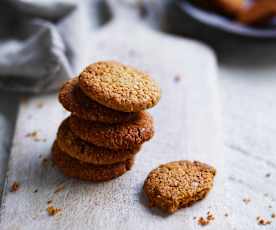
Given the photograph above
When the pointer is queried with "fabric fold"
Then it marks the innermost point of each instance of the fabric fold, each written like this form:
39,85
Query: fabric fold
34,56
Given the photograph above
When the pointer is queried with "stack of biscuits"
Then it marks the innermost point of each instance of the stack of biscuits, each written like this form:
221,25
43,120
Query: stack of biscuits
108,122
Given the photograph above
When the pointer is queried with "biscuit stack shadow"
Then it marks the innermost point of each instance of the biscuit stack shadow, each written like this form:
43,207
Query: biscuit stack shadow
108,124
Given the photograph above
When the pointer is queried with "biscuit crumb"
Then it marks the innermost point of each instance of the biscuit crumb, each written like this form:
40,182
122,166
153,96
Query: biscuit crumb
210,216
226,214
205,221
201,221
49,202
273,215
59,188
263,221
36,190
32,134
35,137
246,200
52,210
15,187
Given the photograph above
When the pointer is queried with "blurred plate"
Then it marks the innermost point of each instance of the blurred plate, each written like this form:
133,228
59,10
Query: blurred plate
225,24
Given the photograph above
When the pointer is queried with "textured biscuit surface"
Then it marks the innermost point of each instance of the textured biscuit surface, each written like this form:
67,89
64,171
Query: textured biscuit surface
86,152
126,135
178,184
75,101
74,168
119,87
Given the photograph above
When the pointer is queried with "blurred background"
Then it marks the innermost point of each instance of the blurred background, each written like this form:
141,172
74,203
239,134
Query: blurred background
39,49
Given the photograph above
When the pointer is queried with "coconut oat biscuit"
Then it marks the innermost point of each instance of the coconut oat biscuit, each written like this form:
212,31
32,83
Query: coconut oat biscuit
75,101
178,184
119,86
74,168
86,152
126,135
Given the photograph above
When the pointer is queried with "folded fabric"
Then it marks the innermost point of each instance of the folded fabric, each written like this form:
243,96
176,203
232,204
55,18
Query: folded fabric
35,56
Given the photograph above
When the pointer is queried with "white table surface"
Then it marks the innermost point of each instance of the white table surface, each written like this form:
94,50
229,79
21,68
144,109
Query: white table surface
248,95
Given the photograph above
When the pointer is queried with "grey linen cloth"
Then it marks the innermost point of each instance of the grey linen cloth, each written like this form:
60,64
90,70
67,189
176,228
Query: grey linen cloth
38,43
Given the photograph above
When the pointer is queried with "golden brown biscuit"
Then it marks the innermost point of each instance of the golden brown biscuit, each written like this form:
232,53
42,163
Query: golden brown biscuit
126,135
86,152
119,86
84,171
178,184
75,101
260,12
230,7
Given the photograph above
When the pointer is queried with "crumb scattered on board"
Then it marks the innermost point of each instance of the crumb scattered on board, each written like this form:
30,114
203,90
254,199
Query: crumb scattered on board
35,137
205,221
263,221
49,202
246,200
53,211
226,214
36,190
273,215
14,187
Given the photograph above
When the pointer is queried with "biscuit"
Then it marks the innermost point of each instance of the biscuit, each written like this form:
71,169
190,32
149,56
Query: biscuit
126,135
230,7
119,86
74,168
260,12
75,101
178,184
86,152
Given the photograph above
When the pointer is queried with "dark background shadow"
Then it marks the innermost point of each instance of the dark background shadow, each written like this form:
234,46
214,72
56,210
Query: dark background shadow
231,49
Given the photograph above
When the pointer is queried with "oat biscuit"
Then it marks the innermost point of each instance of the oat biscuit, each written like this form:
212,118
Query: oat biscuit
126,135
75,101
178,184
119,86
86,152
84,171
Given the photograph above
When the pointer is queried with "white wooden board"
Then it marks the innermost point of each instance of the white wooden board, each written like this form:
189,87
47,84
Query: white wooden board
187,121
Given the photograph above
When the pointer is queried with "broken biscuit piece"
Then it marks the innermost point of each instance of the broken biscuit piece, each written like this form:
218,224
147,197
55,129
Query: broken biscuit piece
178,184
